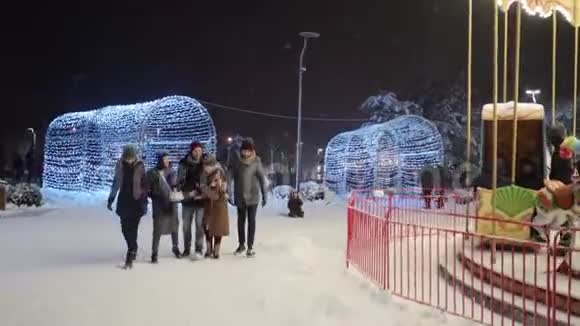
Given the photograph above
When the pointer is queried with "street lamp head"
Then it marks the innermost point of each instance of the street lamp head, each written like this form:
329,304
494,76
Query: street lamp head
309,35
533,91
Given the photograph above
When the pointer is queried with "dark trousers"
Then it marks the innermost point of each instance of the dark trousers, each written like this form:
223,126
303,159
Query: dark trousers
249,213
429,194
130,229
157,238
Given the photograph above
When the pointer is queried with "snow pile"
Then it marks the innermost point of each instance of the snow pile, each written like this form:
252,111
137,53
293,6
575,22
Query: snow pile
62,198
25,194
298,278
282,192
312,191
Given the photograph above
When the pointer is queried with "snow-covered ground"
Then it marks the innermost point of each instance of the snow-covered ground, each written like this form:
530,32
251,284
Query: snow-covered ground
58,267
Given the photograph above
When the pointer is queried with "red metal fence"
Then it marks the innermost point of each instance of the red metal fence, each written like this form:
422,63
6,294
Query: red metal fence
435,257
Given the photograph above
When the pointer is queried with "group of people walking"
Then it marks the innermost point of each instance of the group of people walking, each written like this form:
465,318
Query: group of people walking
202,187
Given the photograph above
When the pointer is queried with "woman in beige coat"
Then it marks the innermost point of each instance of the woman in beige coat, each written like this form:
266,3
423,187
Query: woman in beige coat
216,218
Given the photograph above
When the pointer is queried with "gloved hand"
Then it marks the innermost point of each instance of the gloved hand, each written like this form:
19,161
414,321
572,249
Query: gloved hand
264,201
110,205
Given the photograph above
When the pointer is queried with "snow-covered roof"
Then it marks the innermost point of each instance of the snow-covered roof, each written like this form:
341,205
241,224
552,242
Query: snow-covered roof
505,111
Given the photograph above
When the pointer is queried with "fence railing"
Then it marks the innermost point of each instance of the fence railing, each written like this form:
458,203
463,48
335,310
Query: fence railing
435,257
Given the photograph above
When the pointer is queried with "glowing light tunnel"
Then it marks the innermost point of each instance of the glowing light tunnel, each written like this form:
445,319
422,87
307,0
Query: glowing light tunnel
383,155
82,147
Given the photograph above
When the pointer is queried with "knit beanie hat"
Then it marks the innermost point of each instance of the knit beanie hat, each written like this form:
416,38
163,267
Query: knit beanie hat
129,152
195,144
247,144
160,156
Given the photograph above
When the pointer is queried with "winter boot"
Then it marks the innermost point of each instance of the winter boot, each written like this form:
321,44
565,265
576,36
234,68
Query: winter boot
209,249
186,252
240,250
154,258
131,256
198,252
216,251
176,252
250,253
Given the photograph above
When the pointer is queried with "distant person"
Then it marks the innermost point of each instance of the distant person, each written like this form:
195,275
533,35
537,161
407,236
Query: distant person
249,182
295,205
130,189
485,180
161,180
188,180
561,168
434,180
216,218
530,176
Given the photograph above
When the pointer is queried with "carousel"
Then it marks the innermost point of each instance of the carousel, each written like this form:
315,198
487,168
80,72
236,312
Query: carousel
525,191
528,191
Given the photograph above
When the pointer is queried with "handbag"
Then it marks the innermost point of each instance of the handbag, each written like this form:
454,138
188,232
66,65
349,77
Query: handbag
176,196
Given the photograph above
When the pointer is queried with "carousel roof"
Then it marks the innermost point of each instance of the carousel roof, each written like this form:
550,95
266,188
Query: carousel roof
544,8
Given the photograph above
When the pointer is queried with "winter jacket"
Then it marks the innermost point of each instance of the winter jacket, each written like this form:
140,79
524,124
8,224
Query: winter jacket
188,179
215,218
561,169
295,205
160,182
249,181
130,188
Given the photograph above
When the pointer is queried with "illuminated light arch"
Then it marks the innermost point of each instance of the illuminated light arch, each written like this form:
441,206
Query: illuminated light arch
382,155
82,148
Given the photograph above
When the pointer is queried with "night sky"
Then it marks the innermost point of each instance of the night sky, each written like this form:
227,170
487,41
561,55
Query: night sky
70,56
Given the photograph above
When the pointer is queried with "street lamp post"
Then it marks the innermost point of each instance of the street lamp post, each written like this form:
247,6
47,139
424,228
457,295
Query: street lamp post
533,93
301,70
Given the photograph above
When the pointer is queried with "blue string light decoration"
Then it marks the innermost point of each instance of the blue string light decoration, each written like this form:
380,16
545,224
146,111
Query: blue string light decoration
82,148
382,155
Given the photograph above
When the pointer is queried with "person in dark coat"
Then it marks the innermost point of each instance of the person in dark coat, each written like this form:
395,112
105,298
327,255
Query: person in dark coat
529,175
188,180
485,179
130,189
295,205
216,219
560,168
249,182
434,180
161,180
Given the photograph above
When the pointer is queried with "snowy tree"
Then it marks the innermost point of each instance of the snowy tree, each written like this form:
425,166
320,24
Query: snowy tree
444,105
564,114
386,106
25,194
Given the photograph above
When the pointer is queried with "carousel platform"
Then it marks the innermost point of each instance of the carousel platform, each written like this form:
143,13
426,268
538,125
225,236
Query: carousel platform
525,286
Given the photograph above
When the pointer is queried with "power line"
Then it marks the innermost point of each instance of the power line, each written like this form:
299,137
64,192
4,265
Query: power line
279,116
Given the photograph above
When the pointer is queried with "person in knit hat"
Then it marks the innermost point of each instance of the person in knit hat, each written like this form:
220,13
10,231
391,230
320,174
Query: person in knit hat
161,180
216,218
188,181
249,183
129,188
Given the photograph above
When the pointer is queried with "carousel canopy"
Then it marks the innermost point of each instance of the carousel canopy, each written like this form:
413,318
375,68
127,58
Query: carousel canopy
544,8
